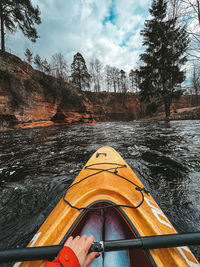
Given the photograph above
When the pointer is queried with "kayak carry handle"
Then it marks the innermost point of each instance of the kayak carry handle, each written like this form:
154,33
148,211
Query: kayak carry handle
147,242
100,153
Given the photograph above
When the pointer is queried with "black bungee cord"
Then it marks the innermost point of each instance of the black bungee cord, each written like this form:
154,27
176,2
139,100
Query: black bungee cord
109,170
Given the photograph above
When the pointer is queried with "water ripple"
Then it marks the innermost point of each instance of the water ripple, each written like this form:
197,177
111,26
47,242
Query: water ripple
37,165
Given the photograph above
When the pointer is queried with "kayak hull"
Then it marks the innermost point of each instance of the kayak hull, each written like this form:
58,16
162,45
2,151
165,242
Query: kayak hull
107,180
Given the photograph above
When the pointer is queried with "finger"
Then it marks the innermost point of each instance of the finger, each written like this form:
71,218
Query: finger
77,237
89,242
90,257
82,241
76,240
69,241
84,237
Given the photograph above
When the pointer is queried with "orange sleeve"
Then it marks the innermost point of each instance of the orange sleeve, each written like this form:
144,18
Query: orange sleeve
65,258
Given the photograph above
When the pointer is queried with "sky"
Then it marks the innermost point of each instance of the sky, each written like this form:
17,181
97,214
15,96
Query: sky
108,30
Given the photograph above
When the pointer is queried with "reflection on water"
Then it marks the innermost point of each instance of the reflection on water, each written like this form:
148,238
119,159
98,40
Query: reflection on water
37,165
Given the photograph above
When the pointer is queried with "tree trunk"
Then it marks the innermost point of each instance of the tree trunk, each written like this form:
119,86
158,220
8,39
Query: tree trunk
198,10
114,84
2,35
167,108
98,86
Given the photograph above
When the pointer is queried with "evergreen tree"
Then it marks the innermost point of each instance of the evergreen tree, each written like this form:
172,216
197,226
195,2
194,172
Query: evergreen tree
38,62
21,14
123,81
28,55
46,67
79,72
160,73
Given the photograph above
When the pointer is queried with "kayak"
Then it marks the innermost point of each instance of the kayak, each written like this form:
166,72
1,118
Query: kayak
107,185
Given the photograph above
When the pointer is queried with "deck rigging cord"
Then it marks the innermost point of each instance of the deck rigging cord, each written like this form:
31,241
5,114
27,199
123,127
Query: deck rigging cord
113,170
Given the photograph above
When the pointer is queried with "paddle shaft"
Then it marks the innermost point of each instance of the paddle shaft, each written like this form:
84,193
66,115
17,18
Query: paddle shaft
148,242
29,254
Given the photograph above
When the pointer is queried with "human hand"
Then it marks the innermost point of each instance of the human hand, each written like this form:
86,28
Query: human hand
81,246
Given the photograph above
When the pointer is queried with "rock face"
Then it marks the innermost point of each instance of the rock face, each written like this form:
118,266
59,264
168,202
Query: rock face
29,98
21,93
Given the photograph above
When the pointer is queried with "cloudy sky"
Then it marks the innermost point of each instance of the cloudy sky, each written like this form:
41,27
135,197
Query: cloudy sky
105,29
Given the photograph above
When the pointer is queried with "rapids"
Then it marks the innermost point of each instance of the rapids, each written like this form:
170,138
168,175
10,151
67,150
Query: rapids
37,165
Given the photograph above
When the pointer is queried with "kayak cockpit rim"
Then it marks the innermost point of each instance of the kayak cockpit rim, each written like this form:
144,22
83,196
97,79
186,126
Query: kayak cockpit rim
73,230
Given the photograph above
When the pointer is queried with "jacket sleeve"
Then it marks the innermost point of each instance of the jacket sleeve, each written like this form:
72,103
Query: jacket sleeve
65,258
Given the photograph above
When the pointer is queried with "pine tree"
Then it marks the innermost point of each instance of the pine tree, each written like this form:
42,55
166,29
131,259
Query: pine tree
38,62
21,14
28,55
79,72
160,73
46,66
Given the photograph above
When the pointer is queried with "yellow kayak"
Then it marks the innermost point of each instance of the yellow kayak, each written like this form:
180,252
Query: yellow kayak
107,182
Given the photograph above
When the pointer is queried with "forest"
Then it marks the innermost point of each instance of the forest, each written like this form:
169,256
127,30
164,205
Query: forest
167,68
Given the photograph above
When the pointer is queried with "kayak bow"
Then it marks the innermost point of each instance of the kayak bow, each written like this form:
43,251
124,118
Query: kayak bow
108,181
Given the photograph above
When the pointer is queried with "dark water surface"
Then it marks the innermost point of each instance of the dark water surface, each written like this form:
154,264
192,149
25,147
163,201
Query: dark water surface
37,165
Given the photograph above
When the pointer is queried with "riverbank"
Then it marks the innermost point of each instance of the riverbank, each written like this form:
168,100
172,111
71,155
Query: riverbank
10,122
30,98
191,113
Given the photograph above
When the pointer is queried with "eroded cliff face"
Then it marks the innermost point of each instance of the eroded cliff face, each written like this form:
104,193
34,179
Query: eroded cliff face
29,98
21,93
115,106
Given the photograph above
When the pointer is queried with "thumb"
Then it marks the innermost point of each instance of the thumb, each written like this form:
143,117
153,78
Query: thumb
90,257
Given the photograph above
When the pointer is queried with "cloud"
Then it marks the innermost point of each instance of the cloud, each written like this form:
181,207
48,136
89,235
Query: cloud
104,29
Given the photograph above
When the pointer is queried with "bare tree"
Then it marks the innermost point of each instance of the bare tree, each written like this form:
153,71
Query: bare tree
108,77
187,12
59,66
175,9
133,80
114,72
92,74
196,83
96,73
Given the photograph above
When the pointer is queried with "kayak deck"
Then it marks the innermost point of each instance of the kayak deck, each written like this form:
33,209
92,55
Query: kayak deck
106,180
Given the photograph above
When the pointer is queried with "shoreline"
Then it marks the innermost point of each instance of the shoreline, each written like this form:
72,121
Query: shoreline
192,113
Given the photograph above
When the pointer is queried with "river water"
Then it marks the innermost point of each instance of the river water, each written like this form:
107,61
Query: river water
37,165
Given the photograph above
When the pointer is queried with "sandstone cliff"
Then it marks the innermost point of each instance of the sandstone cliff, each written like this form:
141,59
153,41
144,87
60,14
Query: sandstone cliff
29,98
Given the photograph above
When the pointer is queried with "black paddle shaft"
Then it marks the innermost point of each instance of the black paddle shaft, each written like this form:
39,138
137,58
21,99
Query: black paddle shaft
148,242
29,254
152,242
